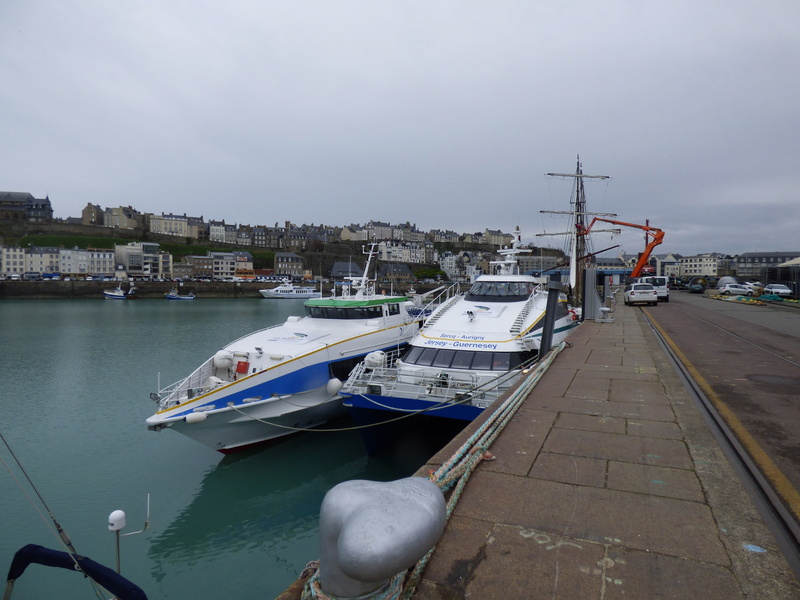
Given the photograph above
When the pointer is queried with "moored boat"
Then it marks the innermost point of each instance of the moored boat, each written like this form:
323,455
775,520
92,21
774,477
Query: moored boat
468,353
285,378
118,293
290,291
174,294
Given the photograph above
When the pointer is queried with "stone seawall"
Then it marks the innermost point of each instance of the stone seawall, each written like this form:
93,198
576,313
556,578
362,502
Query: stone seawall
70,290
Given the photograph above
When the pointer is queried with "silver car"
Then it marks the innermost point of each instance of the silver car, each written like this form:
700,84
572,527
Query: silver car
778,289
736,289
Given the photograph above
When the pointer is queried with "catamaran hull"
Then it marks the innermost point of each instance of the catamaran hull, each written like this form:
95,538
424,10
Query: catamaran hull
230,430
260,408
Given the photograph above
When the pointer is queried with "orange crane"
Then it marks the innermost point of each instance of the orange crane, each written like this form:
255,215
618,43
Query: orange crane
653,234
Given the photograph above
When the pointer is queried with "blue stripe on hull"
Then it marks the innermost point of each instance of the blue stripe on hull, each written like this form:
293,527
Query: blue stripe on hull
393,407
301,380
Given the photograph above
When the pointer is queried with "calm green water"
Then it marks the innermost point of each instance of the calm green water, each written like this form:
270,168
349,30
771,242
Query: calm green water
75,379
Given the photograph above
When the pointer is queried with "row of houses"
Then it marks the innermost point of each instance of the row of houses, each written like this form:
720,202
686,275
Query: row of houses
136,260
20,207
146,261
406,238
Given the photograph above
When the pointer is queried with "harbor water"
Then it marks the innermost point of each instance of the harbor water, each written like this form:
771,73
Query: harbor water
76,376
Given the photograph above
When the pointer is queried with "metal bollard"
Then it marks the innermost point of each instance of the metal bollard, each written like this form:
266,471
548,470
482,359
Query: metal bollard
553,291
371,531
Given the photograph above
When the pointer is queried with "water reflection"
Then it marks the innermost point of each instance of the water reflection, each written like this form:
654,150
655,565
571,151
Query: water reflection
267,502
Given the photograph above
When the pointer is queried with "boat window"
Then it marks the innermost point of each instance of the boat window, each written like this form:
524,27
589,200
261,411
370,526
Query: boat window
412,355
501,361
463,359
482,361
500,291
444,358
338,312
427,356
394,309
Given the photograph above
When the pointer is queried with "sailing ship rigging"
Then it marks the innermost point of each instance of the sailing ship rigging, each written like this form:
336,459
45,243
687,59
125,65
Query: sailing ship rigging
579,252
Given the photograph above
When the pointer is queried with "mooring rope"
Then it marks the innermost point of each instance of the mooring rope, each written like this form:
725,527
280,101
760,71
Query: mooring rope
453,475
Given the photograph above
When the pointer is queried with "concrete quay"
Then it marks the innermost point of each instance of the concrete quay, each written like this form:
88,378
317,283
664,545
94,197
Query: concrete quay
606,484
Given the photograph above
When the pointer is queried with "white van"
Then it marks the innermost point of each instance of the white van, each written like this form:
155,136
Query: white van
660,283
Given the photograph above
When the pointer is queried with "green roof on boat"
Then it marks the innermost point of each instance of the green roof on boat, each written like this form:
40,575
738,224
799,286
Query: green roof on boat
374,301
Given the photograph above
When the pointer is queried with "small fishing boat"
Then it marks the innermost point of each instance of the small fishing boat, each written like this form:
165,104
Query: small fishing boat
286,378
118,293
174,294
290,291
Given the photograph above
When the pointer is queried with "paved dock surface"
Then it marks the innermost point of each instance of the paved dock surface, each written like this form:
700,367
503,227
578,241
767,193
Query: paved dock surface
606,484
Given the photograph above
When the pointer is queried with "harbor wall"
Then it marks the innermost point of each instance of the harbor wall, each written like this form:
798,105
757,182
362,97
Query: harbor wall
71,290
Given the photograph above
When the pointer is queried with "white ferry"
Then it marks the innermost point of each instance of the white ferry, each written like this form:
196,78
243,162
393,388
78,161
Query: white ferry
468,353
285,378
290,291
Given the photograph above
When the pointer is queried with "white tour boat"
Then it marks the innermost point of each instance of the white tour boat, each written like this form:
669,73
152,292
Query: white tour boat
285,378
468,353
288,290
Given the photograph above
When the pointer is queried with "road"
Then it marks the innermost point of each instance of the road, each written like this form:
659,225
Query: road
750,357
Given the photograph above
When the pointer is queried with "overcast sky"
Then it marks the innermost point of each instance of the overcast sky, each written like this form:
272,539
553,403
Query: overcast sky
446,114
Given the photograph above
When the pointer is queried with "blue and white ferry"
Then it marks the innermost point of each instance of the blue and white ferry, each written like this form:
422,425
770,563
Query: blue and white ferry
470,350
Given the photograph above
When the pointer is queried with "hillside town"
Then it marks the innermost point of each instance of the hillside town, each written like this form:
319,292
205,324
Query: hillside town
402,247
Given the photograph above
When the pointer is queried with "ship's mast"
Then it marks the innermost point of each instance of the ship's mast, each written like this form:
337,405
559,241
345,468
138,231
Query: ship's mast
578,251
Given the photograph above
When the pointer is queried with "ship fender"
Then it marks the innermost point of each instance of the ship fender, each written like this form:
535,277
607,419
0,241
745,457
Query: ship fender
333,386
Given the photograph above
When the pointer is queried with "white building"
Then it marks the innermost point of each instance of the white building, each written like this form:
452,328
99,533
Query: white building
143,259
700,265
12,260
43,260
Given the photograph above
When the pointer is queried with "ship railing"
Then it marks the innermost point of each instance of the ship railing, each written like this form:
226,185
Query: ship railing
443,387
516,327
200,382
425,307
443,308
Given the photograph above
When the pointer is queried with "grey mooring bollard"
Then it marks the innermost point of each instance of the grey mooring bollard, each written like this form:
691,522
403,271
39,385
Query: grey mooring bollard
371,531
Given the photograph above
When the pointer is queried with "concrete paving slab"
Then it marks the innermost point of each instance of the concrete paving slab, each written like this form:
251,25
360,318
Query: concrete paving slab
636,449
627,390
657,481
591,423
650,523
628,410
578,470
658,429
631,574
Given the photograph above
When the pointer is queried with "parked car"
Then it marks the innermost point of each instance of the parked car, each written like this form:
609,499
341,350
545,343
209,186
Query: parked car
661,284
735,289
778,289
640,293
